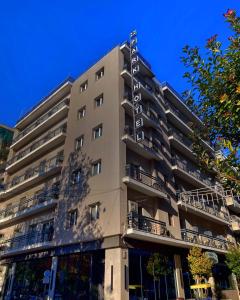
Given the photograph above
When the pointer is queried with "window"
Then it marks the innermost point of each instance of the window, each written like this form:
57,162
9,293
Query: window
79,142
83,86
94,211
72,218
98,101
100,74
170,220
96,168
97,132
76,176
81,112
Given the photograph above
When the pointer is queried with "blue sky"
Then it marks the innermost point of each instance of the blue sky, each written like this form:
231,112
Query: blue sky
43,42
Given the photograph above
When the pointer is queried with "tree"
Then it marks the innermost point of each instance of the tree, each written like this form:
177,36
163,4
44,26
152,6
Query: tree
233,260
158,266
200,264
214,95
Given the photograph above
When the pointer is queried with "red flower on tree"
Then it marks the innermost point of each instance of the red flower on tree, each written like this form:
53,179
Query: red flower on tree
229,13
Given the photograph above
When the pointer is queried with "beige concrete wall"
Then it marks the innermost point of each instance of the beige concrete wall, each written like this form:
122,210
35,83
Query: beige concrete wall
118,259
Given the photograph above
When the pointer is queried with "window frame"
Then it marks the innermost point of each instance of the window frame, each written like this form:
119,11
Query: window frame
94,130
98,164
84,86
72,216
77,140
99,74
77,179
81,110
100,97
96,215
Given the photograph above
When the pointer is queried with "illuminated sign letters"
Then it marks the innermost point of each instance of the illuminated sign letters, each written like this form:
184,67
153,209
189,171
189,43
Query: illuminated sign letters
136,86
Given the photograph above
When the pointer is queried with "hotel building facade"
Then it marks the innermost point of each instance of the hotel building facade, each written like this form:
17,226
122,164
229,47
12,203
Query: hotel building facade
85,207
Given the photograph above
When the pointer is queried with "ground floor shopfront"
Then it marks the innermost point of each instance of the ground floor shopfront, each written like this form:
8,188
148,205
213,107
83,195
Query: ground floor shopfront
148,271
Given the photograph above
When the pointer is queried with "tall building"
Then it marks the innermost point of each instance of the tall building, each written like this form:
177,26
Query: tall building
88,203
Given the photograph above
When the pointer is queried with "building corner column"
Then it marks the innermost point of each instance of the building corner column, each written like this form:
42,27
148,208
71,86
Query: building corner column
116,274
178,277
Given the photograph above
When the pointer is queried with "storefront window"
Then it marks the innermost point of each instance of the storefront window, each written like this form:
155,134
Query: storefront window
151,276
80,276
29,279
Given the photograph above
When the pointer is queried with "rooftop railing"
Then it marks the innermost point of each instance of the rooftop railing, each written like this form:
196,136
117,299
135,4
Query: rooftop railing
37,144
41,119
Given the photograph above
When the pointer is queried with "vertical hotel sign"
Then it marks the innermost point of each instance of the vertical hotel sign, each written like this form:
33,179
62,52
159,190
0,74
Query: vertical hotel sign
138,132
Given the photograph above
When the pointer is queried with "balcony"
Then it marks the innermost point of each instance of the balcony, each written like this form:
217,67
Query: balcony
41,125
143,182
36,149
32,176
146,90
27,243
208,242
181,143
28,208
235,222
204,203
190,173
145,67
146,148
232,201
149,119
150,230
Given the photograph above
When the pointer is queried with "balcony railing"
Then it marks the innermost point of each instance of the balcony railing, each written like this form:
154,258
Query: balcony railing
144,177
37,144
26,241
179,136
192,169
40,170
40,120
202,203
23,206
197,238
178,113
142,223
146,109
148,144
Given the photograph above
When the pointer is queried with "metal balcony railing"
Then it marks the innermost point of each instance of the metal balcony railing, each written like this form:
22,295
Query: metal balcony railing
198,238
41,119
27,240
142,223
181,137
178,113
40,170
192,169
29,203
144,177
207,200
37,144
148,144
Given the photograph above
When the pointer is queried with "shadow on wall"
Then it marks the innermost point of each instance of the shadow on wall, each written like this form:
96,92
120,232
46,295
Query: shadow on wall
74,190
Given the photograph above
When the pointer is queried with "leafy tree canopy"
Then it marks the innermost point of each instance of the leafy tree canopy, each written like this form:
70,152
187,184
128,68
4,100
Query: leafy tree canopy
214,78
233,260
